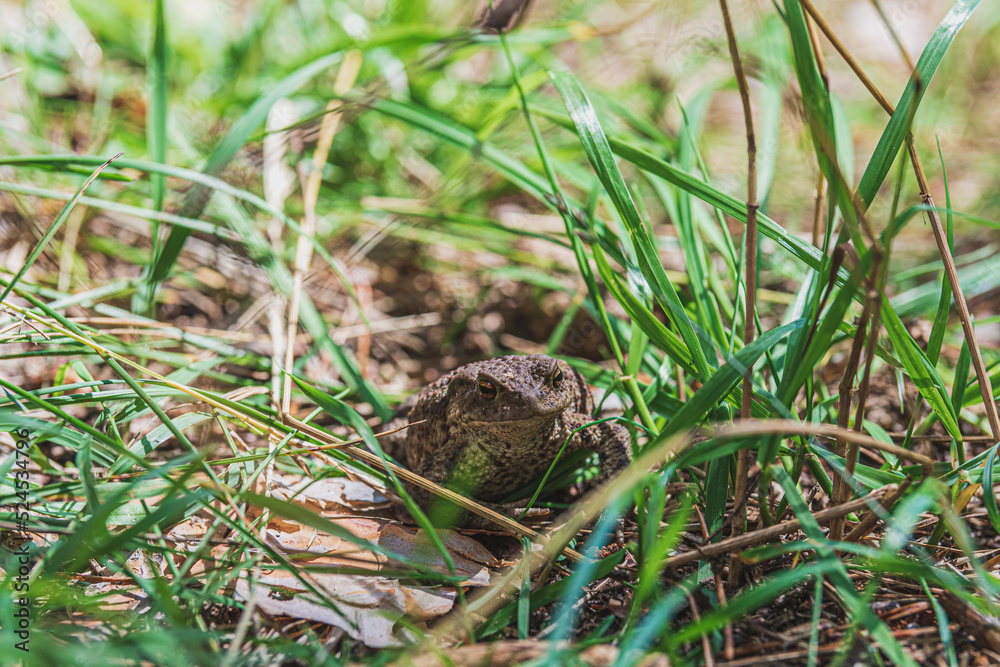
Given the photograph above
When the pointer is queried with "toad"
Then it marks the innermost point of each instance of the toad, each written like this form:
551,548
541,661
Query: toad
492,426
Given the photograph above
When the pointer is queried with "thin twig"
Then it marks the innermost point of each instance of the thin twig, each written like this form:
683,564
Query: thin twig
346,77
818,221
706,644
846,391
818,52
869,520
870,320
744,457
790,427
734,544
895,37
874,296
727,637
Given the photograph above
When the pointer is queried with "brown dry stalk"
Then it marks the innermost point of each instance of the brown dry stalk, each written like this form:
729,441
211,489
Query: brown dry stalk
869,321
790,427
846,390
720,590
951,273
930,437
735,544
818,221
874,297
744,457
346,76
820,59
706,645
935,221
895,36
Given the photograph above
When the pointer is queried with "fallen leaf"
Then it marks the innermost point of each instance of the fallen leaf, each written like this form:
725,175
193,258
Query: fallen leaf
469,560
366,607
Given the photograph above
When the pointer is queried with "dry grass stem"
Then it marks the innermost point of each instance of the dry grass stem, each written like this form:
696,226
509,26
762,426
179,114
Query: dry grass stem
744,457
734,544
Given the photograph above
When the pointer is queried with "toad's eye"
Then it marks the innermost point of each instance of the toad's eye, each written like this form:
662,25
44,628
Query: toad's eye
557,378
486,389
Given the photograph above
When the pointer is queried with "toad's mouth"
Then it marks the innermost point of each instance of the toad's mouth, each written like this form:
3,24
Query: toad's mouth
519,420
512,419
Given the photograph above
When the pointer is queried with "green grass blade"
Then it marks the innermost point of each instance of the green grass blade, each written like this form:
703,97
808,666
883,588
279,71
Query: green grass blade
546,595
664,338
895,132
524,599
819,116
637,642
724,380
936,339
53,228
857,606
655,548
601,158
746,602
796,374
683,215
731,206
943,624
66,162
156,119
150,441
989,495
921,372
231,143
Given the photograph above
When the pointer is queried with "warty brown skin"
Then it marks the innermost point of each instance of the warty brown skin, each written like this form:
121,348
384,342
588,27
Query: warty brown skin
492,426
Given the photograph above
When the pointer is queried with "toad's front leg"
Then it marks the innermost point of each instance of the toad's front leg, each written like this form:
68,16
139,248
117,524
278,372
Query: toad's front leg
609,440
